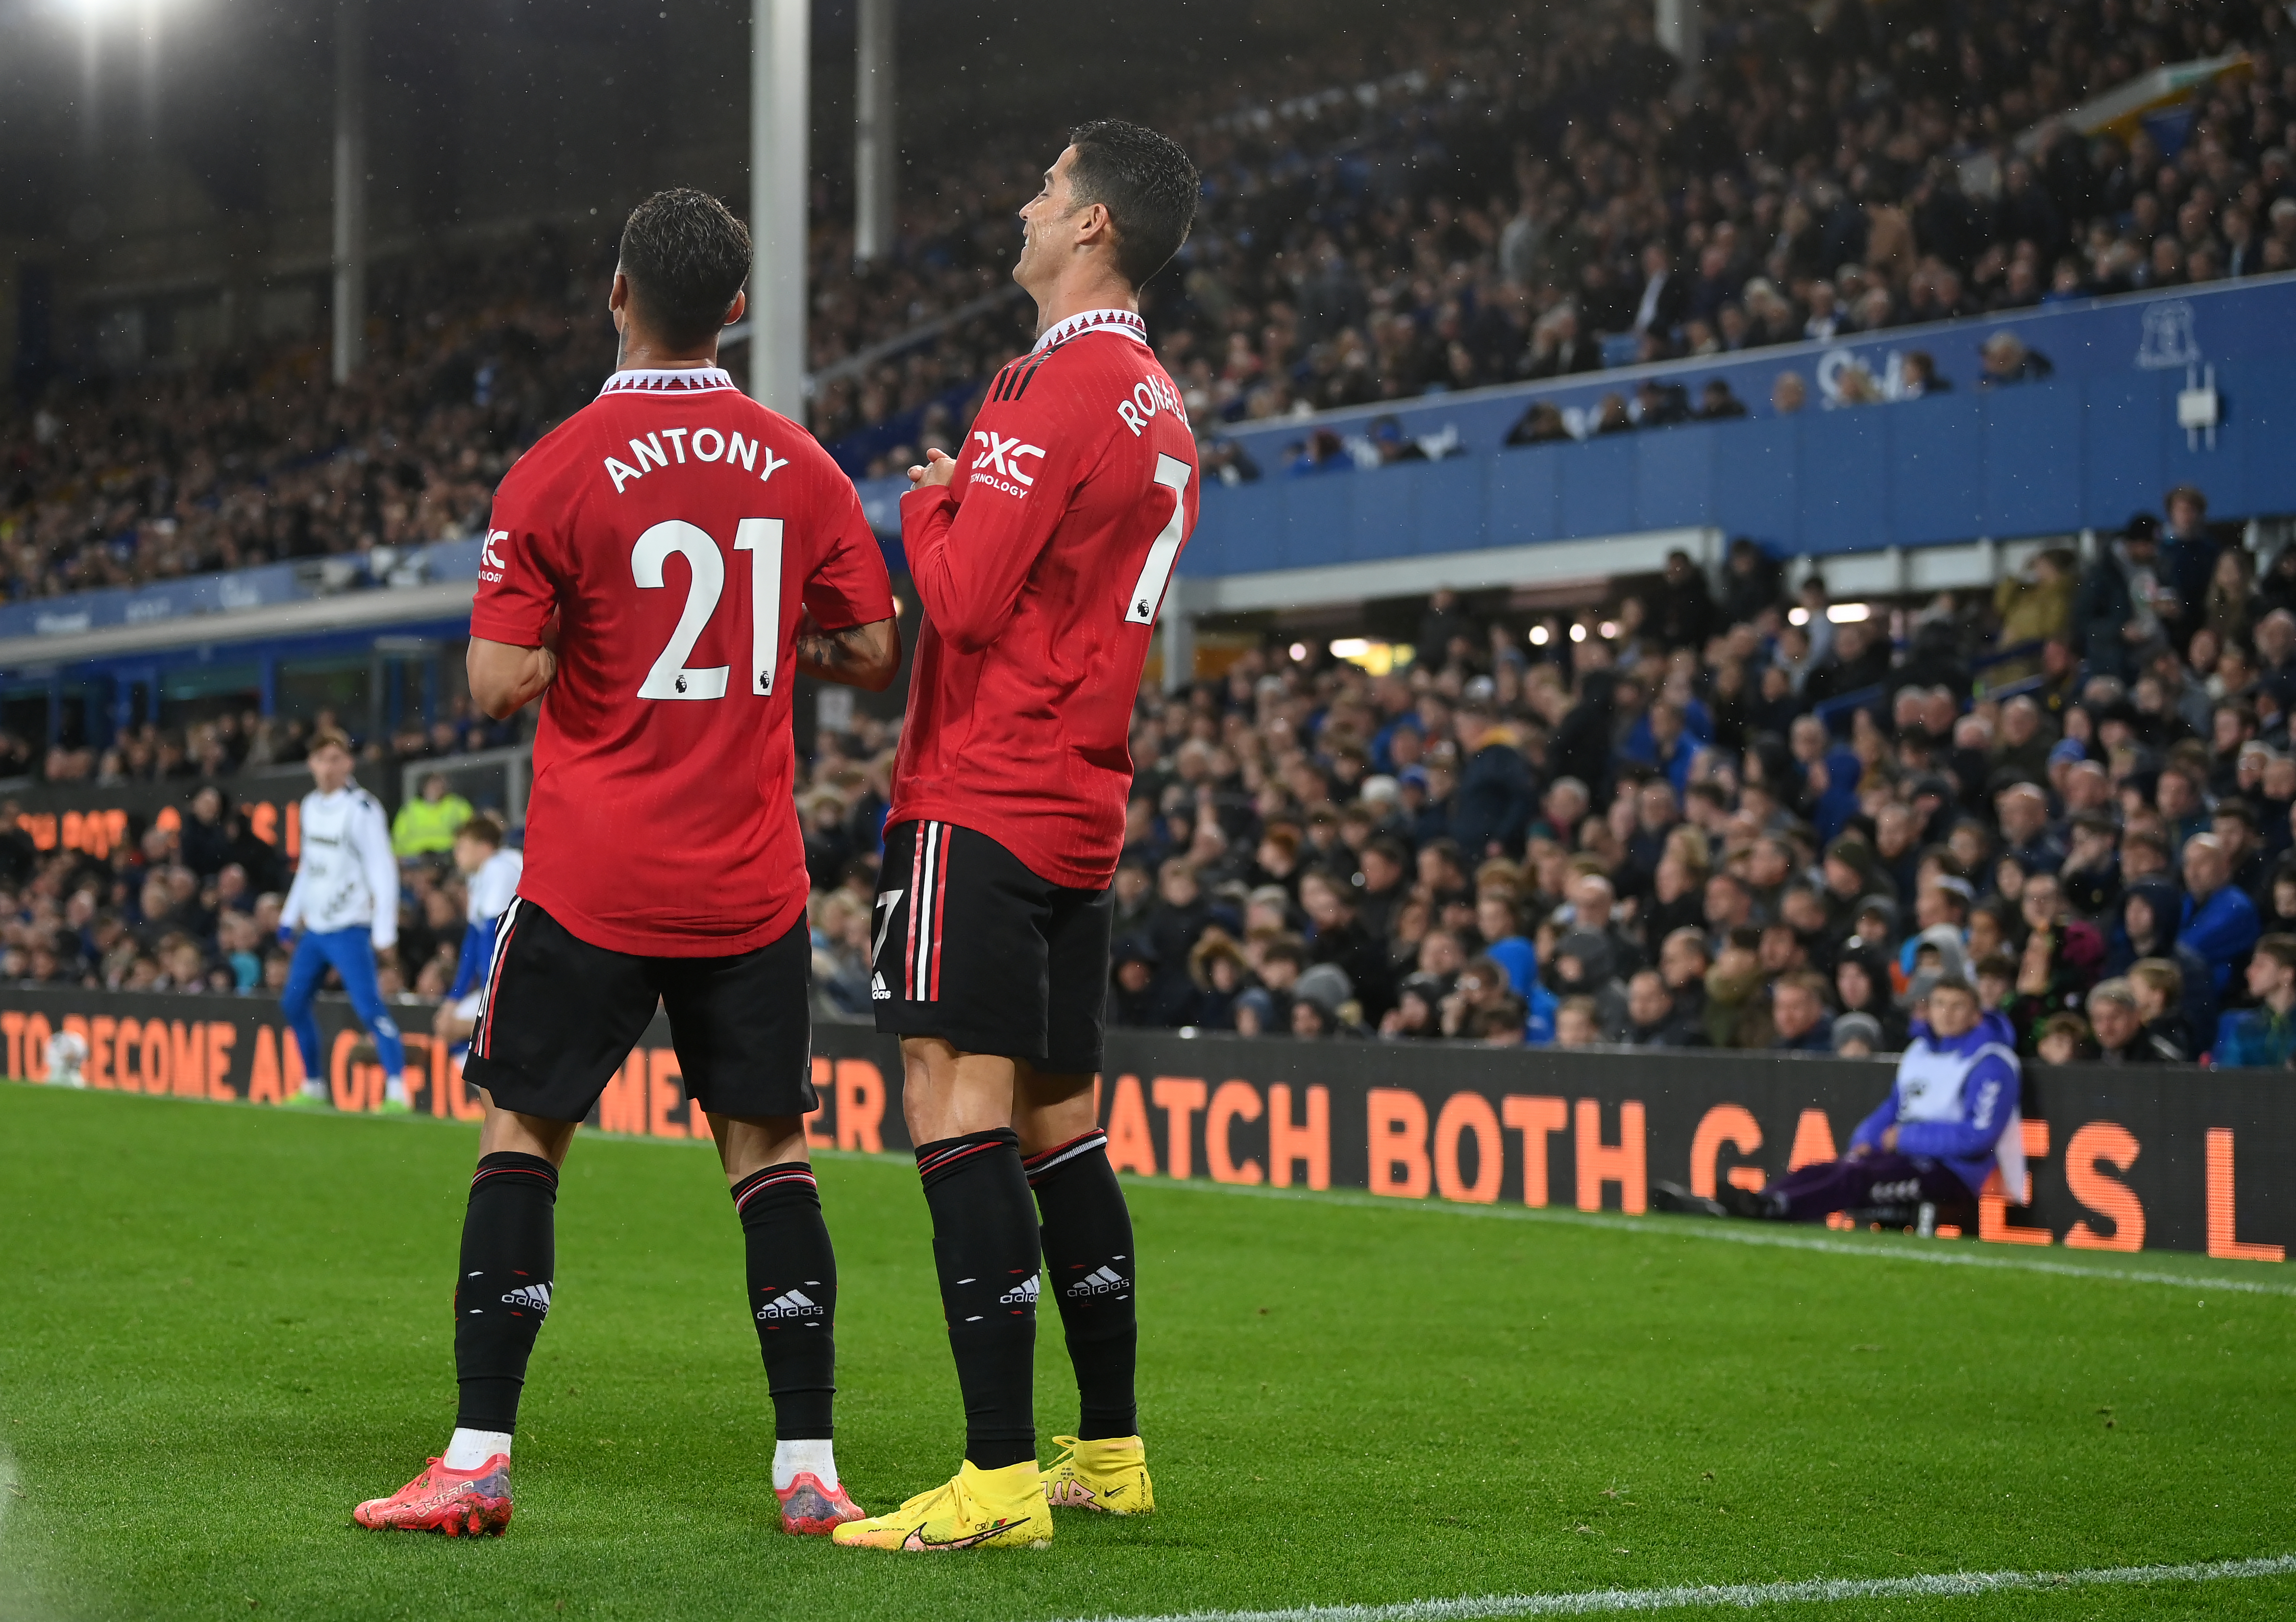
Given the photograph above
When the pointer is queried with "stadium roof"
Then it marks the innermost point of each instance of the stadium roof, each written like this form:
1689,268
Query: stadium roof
212,145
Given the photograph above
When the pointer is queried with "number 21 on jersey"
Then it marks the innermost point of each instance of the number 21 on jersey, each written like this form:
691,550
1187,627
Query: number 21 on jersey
761,538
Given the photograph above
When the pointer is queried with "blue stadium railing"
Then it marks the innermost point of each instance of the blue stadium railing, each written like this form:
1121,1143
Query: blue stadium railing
1836,712
2098,440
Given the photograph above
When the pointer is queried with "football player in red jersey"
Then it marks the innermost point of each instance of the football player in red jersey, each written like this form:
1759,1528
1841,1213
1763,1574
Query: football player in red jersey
656,571
1041,555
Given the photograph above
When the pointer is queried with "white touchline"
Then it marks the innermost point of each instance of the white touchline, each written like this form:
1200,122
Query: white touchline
1948,1253
1745,1595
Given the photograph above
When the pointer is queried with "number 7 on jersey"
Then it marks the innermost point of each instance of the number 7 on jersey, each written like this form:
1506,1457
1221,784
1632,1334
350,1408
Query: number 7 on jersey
1156,573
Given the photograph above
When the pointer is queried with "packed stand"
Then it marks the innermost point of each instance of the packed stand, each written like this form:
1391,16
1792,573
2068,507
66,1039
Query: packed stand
1436,207
229,743
1549,185
258,458
195,907
1712,816
1485,200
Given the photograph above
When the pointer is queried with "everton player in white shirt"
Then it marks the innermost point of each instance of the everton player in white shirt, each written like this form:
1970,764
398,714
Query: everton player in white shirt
492,874
344,903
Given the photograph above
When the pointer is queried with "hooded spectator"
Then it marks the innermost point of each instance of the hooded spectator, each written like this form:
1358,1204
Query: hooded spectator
1858,1035
1219,973
1323,1004
1862,985
1133,999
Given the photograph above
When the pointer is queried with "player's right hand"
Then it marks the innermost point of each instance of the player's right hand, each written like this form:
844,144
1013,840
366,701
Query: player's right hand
940,469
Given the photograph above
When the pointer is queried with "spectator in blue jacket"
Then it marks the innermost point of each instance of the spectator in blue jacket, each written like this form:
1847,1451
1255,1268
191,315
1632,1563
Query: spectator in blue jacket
1498,921
2263,1036
1661,739
1831,771
2220,923
1491,810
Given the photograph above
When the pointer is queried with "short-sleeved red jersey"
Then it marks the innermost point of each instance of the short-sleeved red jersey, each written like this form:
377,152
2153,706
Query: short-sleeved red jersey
1041,567
677,527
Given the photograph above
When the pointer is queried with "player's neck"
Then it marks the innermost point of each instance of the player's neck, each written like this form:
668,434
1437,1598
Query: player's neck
1073,296
639,353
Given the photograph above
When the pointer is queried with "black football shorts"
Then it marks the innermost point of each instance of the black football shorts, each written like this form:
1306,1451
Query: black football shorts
558,1016
973,948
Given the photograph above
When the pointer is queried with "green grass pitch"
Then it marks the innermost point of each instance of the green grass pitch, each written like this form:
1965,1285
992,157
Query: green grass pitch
220,1327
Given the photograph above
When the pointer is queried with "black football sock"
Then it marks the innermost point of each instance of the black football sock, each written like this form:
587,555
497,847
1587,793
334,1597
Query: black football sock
502,1292
792,1295
1088,1257
985,1249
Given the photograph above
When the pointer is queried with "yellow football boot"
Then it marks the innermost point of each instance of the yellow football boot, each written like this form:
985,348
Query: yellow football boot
1108,1474
981,1509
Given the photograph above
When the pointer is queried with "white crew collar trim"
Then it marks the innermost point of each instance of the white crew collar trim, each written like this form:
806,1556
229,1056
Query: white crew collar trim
1126,322
675,380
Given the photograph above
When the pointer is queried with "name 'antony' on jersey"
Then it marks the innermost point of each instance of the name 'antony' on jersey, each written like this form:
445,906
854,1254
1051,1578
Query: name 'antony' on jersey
1042,566
678,530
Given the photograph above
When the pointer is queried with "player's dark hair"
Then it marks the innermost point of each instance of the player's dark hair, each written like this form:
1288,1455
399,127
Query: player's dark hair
1147,185
328,737
483,826
686,256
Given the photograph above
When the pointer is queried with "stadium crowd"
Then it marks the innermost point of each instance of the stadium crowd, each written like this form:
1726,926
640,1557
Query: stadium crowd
259,459
1433,207
1488,200
1664,823
1716,813
194,907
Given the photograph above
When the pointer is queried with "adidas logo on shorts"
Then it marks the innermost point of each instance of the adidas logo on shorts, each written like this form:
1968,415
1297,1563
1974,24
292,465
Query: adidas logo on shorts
1100,1280
1023,1296
790,1304
877,992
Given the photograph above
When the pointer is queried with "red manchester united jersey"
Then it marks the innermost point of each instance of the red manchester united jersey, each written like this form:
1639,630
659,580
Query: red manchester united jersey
1041,567
676,527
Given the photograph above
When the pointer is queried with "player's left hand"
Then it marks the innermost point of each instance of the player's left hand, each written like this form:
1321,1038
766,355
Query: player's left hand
940,469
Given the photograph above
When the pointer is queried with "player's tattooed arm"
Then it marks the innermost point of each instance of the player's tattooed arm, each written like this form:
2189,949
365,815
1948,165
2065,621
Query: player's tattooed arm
504,677
863,656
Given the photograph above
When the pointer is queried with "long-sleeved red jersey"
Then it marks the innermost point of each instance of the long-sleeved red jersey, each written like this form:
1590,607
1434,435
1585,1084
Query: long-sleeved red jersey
1041,567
